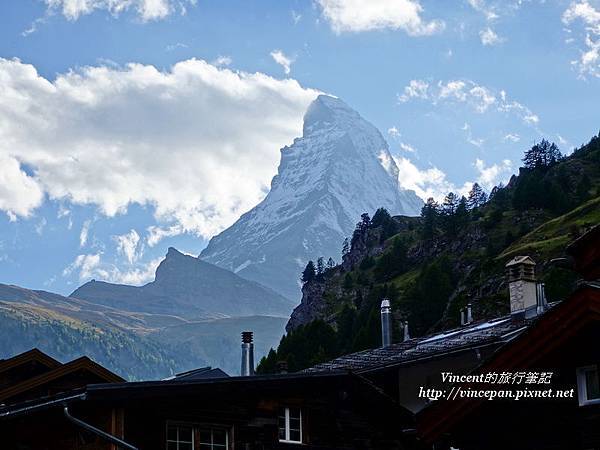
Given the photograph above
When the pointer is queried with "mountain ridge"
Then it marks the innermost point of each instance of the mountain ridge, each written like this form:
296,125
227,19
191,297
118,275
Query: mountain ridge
186,285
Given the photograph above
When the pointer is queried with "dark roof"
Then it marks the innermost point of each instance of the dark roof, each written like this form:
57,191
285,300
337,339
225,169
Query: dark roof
31,355
199,374
586,254
546,335
83,363
477,334
317,384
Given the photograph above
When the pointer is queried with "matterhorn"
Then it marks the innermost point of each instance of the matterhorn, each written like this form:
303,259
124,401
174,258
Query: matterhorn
340,168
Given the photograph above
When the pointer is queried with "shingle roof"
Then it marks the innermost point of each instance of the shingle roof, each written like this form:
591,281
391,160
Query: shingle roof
477,334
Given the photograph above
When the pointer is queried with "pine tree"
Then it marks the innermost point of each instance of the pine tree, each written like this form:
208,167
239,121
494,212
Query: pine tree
462,212
429,214
449,207
309,272
477,197
345,247
320,265
542,155
330,263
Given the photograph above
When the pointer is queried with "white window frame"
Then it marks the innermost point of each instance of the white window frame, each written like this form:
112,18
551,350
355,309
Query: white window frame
212,438
287,439
197,427
178,441
582,386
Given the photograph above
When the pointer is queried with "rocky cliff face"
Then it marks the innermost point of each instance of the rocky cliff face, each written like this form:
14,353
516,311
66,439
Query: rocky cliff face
340,168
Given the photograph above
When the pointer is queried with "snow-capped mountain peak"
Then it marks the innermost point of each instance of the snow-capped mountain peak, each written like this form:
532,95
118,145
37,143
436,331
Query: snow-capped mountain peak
340,168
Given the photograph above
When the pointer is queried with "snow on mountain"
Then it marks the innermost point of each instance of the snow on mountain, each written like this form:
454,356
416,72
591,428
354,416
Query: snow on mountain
340,168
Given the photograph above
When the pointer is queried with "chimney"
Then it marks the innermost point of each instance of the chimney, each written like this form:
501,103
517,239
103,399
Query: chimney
542,304
463,319
386,323
522,287
247,354
406,333
469,313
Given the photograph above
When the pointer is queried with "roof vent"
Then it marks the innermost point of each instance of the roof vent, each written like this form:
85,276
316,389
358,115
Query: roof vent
406,333
247,354
386,323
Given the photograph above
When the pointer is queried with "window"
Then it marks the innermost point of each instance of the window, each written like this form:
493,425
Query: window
180,437
290,425
196,437
213,439
588,385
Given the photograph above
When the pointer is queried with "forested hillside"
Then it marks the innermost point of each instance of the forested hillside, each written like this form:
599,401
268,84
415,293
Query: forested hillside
431,267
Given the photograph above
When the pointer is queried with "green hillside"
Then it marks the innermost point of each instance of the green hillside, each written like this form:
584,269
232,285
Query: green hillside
430,267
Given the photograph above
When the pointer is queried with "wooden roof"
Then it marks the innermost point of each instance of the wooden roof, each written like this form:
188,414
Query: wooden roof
520,260
33,355
83,363
586,254
558,325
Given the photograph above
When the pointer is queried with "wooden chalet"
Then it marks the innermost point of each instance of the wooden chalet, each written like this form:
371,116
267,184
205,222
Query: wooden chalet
34,374
372,399
312,411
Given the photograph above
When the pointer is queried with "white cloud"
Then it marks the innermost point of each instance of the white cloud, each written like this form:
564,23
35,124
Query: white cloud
488,11
222,61
83,235
426,183
127,245
20,194
173,47
490,176
584,12
90,266
490,37
198,143
296,17
407,147
147,10
393,132
284,61
477,142
513,137
136,276
86,264
480,98
39,228
157,234
432,182
414,89
367,15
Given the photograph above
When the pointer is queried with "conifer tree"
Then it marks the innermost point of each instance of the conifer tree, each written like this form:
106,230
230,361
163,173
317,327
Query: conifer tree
309,272
477,197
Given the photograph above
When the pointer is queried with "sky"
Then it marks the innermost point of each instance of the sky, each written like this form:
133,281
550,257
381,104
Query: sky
128,126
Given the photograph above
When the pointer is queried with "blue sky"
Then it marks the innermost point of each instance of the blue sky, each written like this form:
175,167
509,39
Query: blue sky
127,126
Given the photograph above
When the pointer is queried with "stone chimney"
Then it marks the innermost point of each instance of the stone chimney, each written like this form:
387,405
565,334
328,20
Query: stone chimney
386,323
247,354
522,286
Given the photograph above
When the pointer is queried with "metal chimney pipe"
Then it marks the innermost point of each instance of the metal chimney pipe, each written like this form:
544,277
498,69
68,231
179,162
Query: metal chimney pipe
542,304
462,317
247,354
469,314
406,333
386,323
